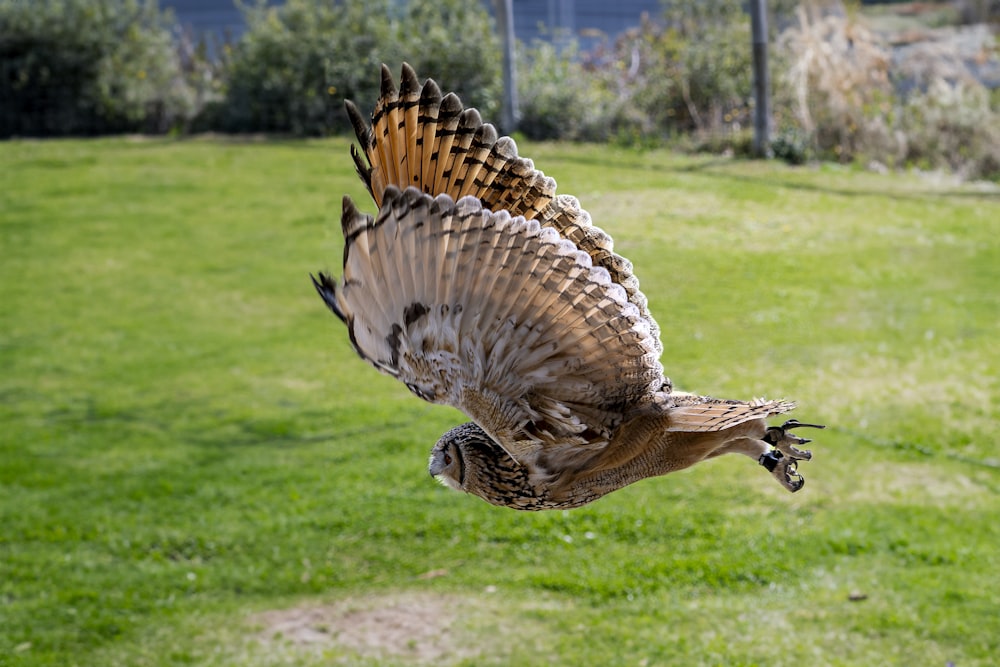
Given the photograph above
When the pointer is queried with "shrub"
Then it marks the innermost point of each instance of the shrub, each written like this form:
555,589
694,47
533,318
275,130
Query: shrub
836,82
454,42
88,67
297,62
850,101
688,74
559,98
952,125
791,144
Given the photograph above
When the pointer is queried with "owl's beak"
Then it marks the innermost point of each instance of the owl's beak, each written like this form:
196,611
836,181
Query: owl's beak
442,468
436,465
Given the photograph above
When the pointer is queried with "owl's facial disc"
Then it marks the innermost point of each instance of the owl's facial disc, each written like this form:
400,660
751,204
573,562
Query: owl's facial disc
447,466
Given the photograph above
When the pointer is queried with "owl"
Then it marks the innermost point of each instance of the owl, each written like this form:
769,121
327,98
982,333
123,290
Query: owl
480,287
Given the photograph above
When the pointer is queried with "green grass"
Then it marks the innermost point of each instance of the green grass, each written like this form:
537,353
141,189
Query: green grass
188,444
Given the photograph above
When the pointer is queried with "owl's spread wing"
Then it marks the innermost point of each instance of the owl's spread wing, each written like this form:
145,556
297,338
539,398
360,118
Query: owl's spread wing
419,138
495,315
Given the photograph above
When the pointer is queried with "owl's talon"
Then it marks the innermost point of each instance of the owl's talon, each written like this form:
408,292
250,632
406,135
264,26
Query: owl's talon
784,469
782,461
779,437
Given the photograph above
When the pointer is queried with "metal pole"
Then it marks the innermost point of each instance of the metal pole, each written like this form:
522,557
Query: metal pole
505,24
761,80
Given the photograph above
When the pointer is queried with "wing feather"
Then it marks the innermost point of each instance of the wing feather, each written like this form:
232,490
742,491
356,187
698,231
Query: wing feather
428,141
495,315
430,104
408,130
449,117
381,151
461,150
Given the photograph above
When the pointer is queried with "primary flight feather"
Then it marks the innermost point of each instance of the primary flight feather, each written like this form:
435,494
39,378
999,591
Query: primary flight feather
481,288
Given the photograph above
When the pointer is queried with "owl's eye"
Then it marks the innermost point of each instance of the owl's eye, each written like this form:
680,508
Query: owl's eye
447,459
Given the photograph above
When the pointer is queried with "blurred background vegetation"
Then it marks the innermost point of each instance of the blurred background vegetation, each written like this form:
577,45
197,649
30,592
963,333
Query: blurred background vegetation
682,77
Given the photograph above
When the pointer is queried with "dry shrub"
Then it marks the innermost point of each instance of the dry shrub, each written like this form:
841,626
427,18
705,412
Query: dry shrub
837,84
851,97
947,116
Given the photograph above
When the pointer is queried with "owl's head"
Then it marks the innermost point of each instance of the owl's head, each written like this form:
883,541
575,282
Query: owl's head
456,459
467,459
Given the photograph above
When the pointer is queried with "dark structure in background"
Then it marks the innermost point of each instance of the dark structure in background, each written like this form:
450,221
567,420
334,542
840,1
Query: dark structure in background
216,18
761,80
533,19
586,21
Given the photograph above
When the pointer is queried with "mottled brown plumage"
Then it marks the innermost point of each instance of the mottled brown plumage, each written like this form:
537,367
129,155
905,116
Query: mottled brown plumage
480,287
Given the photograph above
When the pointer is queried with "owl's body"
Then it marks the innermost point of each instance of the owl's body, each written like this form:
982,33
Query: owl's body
480,288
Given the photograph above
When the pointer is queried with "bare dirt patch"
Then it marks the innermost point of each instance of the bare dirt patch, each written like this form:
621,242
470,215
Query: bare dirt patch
410,627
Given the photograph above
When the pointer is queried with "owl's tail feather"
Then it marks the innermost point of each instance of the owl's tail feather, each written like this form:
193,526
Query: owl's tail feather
703,413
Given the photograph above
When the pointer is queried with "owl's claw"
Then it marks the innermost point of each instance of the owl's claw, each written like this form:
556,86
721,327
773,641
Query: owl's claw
784,469
780,438
782,461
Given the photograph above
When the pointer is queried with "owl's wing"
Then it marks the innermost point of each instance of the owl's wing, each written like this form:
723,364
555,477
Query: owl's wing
419,138
495,315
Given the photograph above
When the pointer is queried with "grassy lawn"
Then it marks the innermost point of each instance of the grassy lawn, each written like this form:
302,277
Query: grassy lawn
195,469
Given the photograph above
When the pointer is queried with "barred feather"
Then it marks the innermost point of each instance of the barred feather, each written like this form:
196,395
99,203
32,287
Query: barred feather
704,413
419,138
522,311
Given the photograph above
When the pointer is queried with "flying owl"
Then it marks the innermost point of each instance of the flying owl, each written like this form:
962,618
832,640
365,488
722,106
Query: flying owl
481,288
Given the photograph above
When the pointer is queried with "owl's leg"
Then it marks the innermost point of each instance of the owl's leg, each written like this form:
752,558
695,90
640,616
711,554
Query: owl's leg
775,450
783,468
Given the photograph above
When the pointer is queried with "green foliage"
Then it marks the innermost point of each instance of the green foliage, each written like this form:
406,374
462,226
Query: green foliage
687,74
189,440
691,75
791,145
88,67
298,61
71,67
953,125
558,98
694,75
455,43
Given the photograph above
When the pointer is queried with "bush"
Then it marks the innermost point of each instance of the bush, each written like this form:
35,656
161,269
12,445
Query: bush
73,67
791,144
454,42
849,101
836,82
297,62
688,74
952,125
559,98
